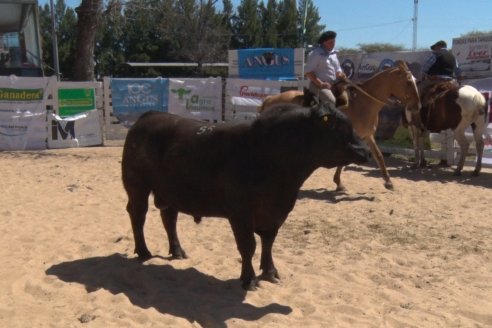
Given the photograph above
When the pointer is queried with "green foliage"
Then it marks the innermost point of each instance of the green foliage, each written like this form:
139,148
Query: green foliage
380,47
178,31
475,34
66,32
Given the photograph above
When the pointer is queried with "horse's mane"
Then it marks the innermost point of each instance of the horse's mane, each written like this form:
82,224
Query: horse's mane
400,65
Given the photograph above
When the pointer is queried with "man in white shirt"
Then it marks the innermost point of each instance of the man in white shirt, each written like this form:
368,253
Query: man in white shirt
323,68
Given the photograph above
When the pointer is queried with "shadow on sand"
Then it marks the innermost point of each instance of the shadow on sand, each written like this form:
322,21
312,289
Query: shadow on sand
185,293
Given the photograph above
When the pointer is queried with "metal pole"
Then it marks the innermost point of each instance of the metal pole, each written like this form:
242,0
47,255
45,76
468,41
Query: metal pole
54,42
415,15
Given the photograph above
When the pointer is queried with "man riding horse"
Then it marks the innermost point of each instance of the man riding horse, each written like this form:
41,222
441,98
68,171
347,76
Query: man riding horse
440,67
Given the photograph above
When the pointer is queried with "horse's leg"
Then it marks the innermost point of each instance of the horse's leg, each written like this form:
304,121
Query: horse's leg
478,129
459,135
337,180
414,132
376,153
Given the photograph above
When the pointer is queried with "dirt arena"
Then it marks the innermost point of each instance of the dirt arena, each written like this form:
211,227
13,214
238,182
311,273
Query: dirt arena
418,256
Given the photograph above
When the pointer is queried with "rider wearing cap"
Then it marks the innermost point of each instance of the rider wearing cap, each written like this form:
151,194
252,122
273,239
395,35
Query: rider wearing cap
442,64
323,68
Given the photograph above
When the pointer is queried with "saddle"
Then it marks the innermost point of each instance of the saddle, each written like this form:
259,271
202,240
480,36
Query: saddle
436,91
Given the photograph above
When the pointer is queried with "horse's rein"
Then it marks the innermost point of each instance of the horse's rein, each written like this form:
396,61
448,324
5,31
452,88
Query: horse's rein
357,87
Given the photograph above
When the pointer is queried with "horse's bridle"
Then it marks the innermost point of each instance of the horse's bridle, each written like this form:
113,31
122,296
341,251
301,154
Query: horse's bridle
384,103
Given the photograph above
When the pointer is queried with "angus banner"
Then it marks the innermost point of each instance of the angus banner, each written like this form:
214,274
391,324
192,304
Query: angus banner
267,63
133,97
22,113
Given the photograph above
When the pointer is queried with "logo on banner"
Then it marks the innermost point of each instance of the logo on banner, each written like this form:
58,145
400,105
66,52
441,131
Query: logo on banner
348,68
64,131
181,92
140,94
367,69
9,94
250,92
386,63
267,59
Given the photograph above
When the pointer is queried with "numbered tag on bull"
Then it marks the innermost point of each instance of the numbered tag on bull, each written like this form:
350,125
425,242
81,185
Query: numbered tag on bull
205,129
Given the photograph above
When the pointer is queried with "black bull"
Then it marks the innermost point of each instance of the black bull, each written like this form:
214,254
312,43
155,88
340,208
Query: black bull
249,173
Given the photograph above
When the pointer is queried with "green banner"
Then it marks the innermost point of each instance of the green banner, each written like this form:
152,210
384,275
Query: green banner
74,101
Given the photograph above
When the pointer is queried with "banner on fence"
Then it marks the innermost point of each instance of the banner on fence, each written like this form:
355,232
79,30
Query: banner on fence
266,63
132,97
244,96
75,101
474,55
79,130
22,113
360,67
196,98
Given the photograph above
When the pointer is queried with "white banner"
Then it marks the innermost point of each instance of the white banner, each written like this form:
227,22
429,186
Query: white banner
244,96
200,99
474,55
360,67
80,130
22,113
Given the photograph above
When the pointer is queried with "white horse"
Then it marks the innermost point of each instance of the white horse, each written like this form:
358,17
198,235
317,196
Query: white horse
448,107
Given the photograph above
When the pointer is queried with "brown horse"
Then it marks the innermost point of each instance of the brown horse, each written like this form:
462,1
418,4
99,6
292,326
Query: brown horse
302,98
449,106
367,100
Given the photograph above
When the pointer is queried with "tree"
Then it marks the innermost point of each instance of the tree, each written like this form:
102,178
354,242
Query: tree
66,29
288,36
379,47
89,13
309,18
475,34
109,51
247,25
269,23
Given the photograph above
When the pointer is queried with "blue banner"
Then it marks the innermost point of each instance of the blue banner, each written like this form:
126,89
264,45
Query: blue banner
133,97
267,64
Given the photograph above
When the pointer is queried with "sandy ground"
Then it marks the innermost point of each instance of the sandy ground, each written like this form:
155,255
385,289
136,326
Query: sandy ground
418,256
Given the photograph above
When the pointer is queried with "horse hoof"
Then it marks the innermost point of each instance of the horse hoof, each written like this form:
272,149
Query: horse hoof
389,186
476,173
457,173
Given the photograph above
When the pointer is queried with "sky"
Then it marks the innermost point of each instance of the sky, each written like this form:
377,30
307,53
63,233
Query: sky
391,21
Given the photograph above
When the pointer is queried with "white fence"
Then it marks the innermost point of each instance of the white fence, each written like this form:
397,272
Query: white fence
43,124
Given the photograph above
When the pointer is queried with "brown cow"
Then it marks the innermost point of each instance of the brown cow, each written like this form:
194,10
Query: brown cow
249,173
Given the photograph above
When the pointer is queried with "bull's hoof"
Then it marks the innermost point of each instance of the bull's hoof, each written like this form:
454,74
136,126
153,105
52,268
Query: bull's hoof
476,173
250,284
143,255
443,163
389,185
178,254
271,276
341,188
